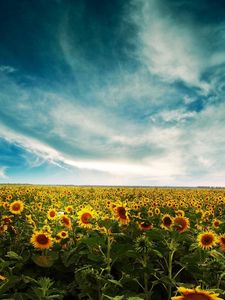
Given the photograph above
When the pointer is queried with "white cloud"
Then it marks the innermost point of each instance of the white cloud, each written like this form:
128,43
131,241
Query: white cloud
170,48
217,58
30,144
192,152
3,173
157,167
189,100
7,69
67,116
138,87
178,115
202,144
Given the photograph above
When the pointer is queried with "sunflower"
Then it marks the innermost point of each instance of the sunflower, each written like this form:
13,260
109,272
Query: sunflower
108,204
121,214
41,240
30,221
180,213
181,224
221,240
52,214
63,234
150,213
16,207
207,240
46,228
167,221
145,226
66,221
5,204
195,294
86,216
39,206
157,211
69,209
9,197
216,223
205,215
57,239
6,219
3,228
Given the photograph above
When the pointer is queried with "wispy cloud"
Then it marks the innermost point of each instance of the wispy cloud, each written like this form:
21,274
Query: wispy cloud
3,173
7,69
175,47
155,168
30,144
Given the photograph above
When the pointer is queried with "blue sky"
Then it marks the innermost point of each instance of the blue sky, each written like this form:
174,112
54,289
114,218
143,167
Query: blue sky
112,92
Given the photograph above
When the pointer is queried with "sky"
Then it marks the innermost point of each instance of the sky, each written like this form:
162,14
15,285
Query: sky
122,92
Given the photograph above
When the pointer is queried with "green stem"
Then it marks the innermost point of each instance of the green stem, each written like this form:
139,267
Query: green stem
108,254
103,291
170,272
136,280
107,258
178,272
145,264
219,280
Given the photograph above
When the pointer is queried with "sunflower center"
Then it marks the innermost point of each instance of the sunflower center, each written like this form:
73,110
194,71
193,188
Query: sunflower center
167,221
42,239
65,221
121,212
6,220
207,240
52,214
146,226
16,207
180,224
85,217
222,240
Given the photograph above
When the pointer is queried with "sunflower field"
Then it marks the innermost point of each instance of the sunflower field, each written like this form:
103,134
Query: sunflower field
117,243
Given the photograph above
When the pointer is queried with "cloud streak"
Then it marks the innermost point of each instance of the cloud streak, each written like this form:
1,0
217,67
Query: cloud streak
7,69
175,47
3,173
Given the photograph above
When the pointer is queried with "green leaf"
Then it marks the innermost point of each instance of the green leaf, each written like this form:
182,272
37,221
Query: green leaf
14,255
70,257
45,261
155,234
156,252
115,282
193,246
217,255
94,257
121,249
28,279
93,241
5,264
